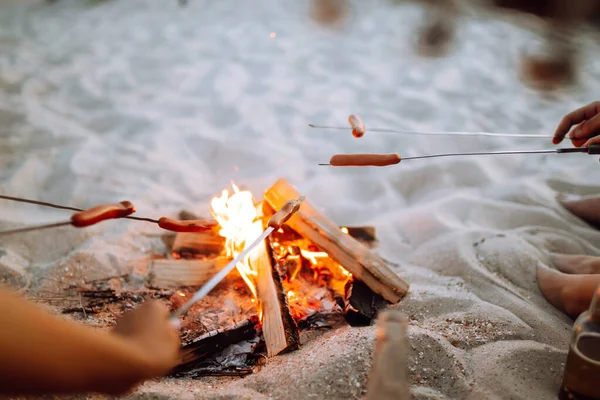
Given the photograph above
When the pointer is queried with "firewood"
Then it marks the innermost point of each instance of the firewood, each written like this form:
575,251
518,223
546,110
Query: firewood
279,328
215,341
362,304
169,274
388,379
189,245
342,248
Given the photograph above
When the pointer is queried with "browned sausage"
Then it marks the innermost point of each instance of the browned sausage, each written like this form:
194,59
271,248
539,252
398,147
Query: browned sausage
101,213
284,213
373,160
194,225
358,128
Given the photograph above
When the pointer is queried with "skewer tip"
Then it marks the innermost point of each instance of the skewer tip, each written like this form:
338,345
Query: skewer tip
325,164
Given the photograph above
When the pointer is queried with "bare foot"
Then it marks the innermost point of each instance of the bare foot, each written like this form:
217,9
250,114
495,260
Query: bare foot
572,294
576,264
586,209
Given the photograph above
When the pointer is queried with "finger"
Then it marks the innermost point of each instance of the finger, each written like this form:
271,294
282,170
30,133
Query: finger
590,128
594,140
575,136
573,118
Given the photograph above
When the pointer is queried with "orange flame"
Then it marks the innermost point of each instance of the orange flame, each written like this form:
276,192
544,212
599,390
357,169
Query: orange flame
237,218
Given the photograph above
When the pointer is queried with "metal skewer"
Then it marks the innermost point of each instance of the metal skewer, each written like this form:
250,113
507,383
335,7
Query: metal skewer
441,133
381,160
46,204
124,209
275,222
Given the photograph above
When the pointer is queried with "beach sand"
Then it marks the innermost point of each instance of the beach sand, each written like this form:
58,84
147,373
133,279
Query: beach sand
164,106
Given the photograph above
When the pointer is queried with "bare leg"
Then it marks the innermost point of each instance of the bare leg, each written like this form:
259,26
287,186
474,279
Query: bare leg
587,209
576,264
571,294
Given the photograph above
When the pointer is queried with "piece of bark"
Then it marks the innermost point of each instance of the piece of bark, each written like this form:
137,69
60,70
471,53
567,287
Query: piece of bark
169,274
279,328
342,248
388,379
362,304
215,341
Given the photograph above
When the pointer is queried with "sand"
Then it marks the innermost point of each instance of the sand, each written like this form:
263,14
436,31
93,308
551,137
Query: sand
164,106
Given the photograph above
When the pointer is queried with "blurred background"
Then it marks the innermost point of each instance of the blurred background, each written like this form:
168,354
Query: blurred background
164,103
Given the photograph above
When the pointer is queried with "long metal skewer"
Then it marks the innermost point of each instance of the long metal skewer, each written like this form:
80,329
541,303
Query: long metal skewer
46,204
381,160
34,228
103,212
441,133
275,222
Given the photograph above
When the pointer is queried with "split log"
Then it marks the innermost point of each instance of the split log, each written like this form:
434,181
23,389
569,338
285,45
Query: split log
362,304
169,274
342,248
191,244
279,328
215,341
388,379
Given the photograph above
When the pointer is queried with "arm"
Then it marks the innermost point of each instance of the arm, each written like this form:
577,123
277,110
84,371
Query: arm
42,353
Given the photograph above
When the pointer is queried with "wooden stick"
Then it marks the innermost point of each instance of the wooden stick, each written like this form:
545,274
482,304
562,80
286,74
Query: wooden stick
388,379
169,274
279,328
342,248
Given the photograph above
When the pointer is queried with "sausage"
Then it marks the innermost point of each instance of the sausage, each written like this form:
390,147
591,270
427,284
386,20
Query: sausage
193,225
372,160
358,128
101,213
284,213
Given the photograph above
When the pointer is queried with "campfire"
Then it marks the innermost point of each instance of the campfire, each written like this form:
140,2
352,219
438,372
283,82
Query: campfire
309,274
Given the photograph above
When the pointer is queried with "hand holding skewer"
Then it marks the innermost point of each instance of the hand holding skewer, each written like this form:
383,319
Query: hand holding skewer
585,122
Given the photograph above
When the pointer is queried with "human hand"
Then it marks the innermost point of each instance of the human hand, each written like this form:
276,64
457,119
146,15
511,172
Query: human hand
148,329
587,126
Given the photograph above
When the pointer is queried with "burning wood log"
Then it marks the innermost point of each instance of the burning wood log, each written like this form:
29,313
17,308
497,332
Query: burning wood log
169,274
388,379
215,341
342,248
362,304
279,328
